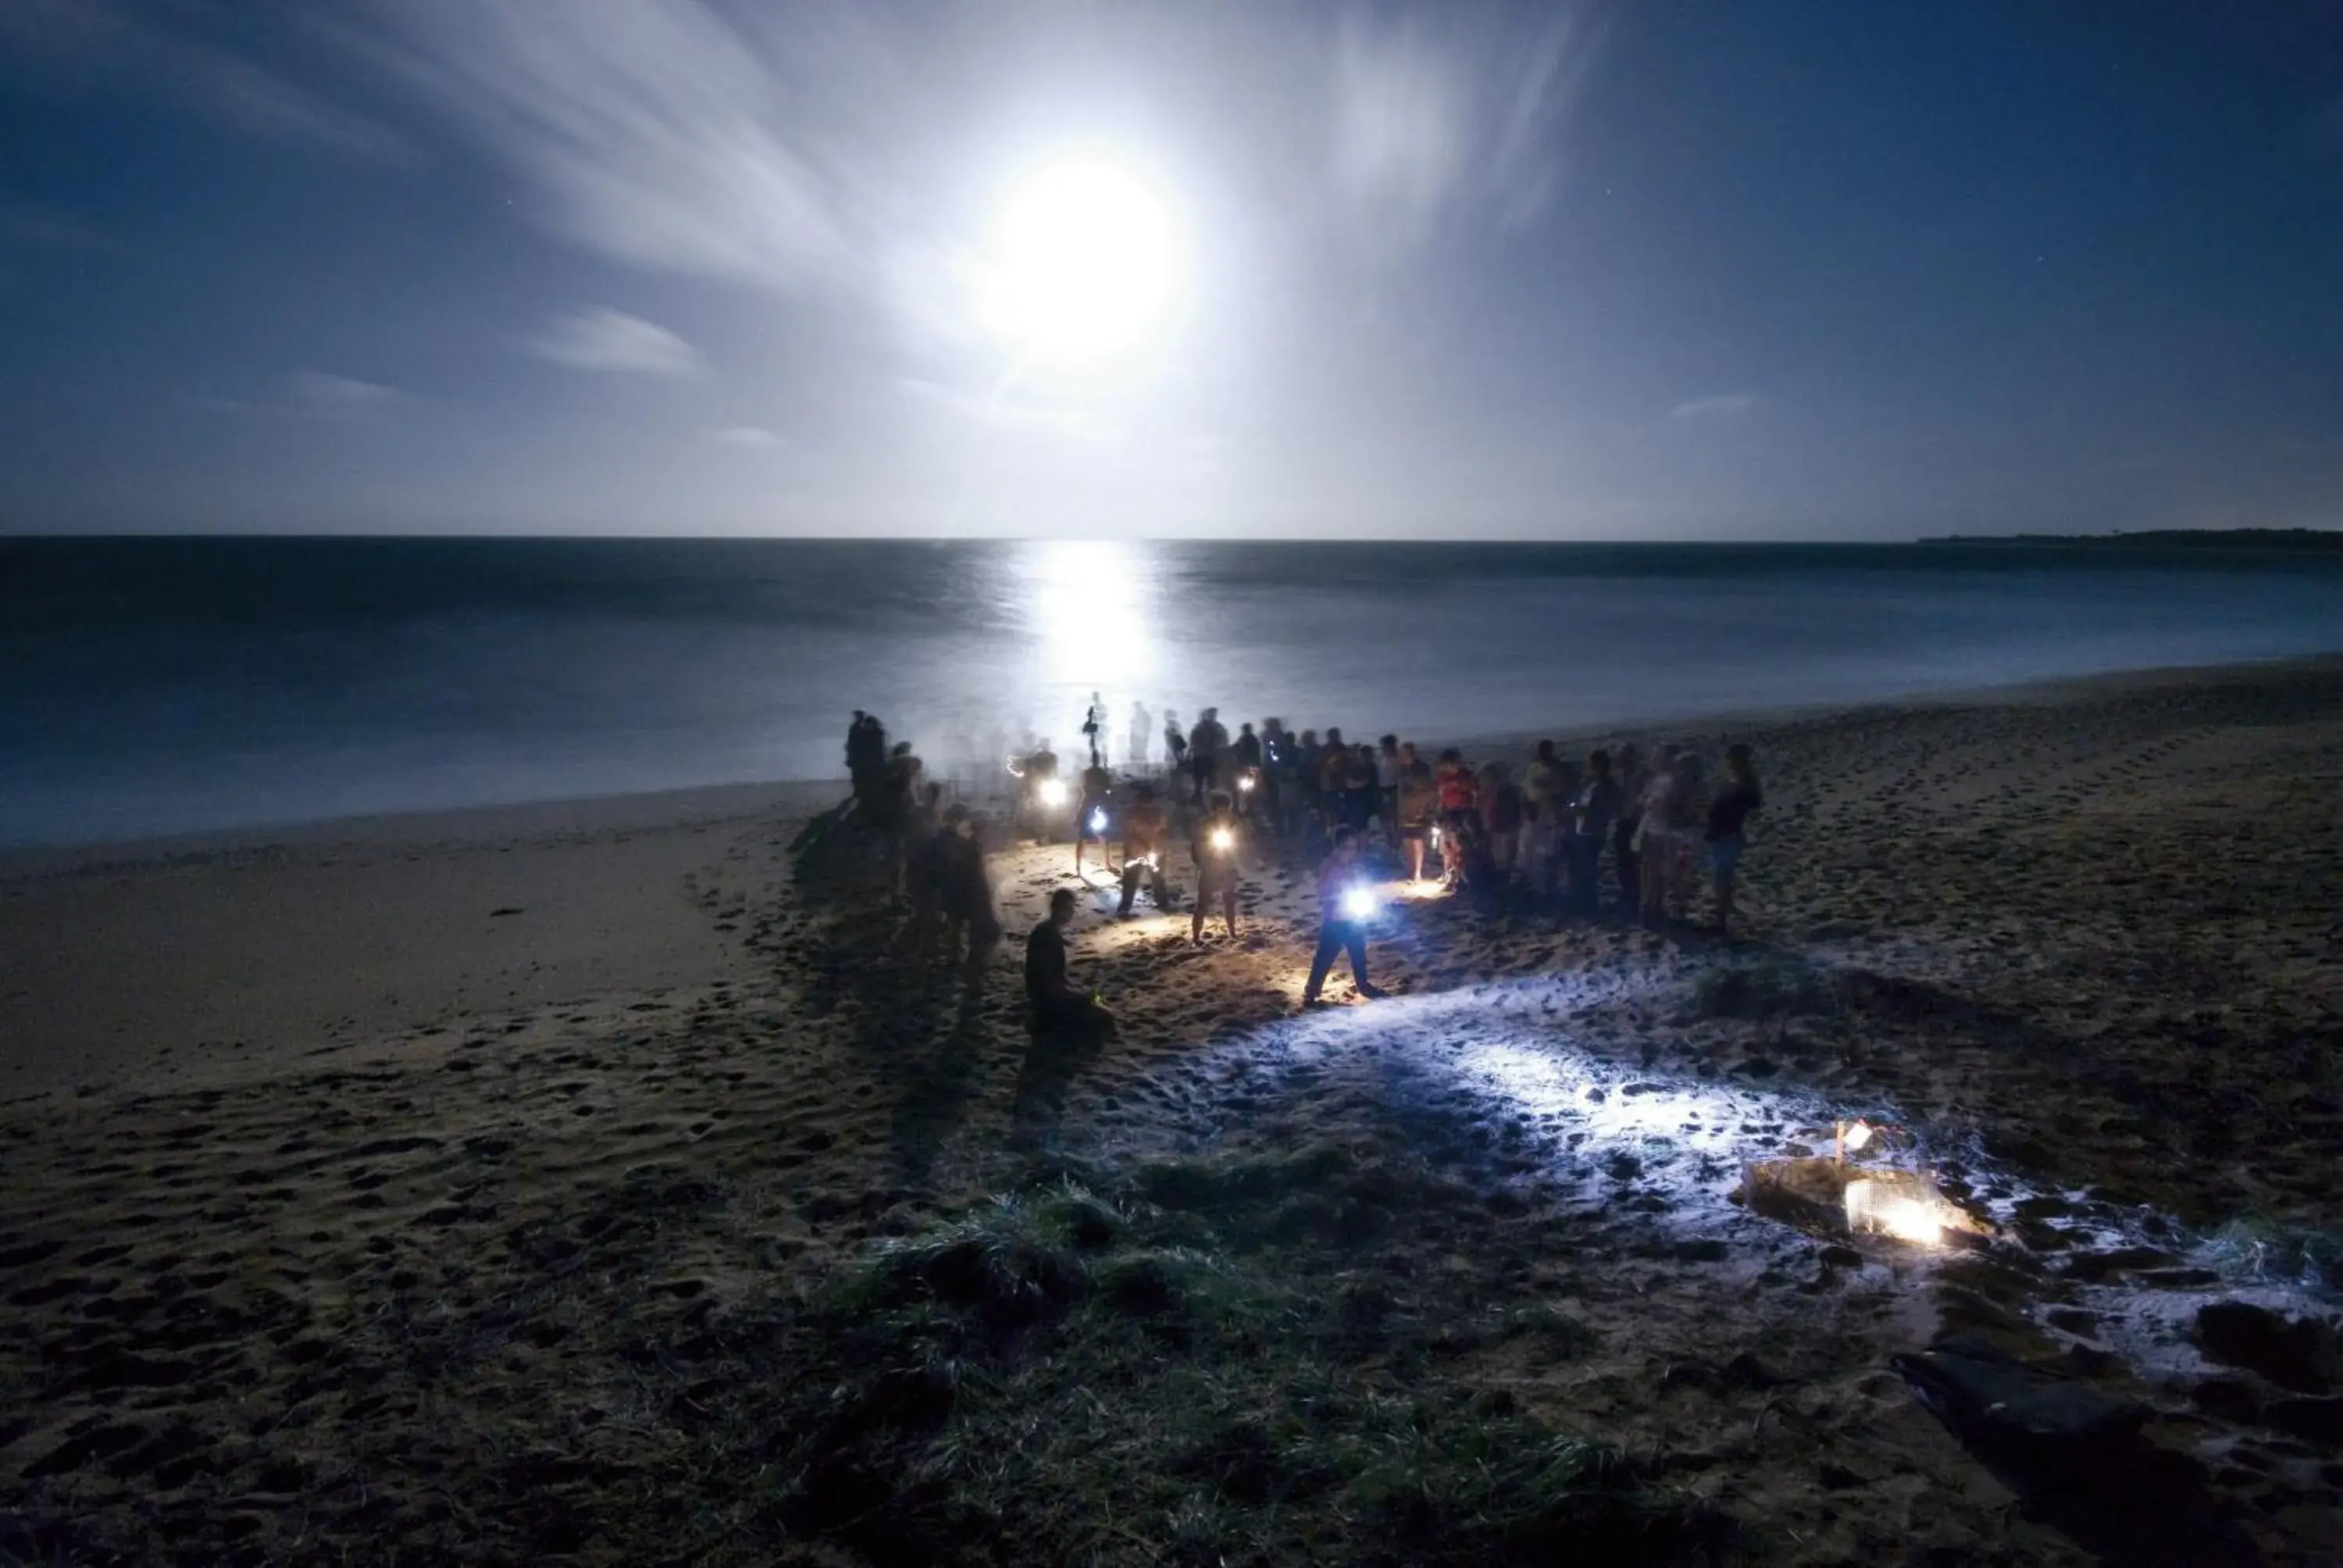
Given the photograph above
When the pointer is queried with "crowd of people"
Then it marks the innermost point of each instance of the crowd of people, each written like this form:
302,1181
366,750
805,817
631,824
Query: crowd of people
1651,828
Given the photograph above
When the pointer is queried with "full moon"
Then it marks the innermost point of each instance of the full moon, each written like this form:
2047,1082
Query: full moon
1082,265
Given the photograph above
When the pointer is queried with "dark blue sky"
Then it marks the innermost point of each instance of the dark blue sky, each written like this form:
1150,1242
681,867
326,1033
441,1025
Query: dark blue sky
1719,268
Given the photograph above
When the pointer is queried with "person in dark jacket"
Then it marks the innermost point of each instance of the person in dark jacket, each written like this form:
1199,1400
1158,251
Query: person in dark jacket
1060,1007
1728,825
964,892
1344,905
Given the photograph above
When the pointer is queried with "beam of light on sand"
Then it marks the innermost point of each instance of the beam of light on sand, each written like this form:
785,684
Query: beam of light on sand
1694,1140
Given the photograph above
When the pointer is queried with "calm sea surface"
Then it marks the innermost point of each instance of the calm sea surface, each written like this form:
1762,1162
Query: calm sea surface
152,686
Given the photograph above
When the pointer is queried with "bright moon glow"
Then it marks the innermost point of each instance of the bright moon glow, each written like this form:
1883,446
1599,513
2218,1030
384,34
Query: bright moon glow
1083,264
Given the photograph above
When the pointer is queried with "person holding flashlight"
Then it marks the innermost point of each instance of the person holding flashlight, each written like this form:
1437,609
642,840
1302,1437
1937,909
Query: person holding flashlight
1092,815
1044,792
1345,903
1145,828
1061,1008
1219,838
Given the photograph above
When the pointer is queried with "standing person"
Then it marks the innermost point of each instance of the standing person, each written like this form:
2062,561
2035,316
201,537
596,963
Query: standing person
1691,815
923,868
1334,780
1387,788
1206,744
1419,808
1146,834
1040,784
1306,753
1459,798
1594,813
866,759
1094,728
1094,813
897,794
965,892
1501,816
1728,825
1215,848
854,749
1633,779
1175,744
1059,1007
1244,765
1359,786
1143,736
1545,826
1342,923
1276,757
1655,841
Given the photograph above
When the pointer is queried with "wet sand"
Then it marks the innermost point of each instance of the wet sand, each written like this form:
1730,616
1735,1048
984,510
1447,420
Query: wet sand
343,1212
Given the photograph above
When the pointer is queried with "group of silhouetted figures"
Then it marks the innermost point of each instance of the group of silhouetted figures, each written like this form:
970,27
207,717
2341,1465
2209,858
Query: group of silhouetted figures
1545,838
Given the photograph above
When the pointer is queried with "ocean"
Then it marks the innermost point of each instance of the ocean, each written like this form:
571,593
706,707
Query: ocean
157,686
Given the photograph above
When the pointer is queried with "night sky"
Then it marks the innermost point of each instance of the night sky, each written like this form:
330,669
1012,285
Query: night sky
1731,269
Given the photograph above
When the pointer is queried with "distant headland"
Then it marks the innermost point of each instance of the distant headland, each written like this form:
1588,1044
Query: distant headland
2168,539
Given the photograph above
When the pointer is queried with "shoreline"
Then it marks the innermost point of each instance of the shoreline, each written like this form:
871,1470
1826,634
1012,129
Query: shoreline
739,799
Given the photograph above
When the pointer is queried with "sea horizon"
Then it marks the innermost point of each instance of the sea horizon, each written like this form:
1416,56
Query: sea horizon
166,684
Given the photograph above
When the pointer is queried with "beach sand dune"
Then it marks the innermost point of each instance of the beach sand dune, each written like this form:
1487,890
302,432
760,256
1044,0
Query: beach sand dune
664,1220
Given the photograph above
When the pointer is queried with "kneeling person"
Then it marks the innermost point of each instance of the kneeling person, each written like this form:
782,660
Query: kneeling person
1144,827
1058,1008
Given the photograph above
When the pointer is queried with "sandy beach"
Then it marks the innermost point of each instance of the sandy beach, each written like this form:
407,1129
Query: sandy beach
588,1182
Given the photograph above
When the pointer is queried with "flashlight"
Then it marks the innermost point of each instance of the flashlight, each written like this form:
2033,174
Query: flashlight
1052,791
1358,903
1222,838
1244,783
1098,820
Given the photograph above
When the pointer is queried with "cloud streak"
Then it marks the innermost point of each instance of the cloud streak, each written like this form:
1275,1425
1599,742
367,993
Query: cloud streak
607,339
1723,405
813,154
70,46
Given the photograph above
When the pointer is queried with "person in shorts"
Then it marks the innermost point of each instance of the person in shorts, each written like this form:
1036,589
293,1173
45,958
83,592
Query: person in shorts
1419,809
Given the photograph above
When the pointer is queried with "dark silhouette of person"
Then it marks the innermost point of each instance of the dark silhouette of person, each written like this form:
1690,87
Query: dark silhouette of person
1060,1007
964,892
925,855
1142,734
1093,815
1206,744
1093,727
1215,848
866,761
1340,928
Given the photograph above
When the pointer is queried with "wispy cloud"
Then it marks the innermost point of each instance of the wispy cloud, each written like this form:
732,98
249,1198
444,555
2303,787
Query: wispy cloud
313,394
803,152
184,53
1426,123
754,437
1724,405
337,397
607,339
653,131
